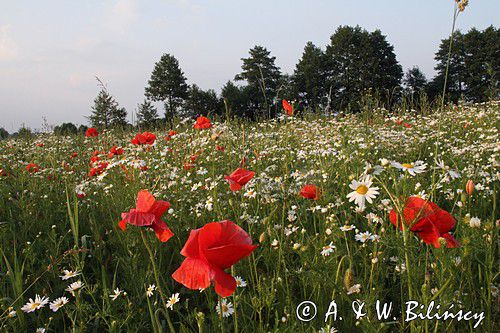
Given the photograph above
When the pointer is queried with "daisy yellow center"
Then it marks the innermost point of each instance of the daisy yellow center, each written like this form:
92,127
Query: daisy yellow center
35,305
407,165
224,308
362,189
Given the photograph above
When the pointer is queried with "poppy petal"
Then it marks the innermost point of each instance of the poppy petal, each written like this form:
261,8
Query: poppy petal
139,219
145,201
226,256
443,220
159,208
451,242
225,284
193,274
191,248
163,233
122,224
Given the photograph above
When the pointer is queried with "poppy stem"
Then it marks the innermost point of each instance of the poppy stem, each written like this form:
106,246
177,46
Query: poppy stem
155,272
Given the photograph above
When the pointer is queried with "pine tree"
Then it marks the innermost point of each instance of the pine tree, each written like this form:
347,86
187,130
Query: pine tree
414,80
202,102
168,85
356,63
309,77
147,115
106,112
262,77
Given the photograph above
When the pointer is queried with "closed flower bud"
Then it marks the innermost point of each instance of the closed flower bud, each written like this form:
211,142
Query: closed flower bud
348,278
469,188
262,237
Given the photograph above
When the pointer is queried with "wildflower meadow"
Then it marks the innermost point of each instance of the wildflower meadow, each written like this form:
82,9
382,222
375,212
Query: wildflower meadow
296,224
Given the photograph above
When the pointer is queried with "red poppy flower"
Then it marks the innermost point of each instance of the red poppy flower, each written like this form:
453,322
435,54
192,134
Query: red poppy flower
209,251
427,220
220,148
202,123
239,178
115,151
32,167
147,213
99,169
287,107
407,125
310,192
74,155
91,132
145,138
172,133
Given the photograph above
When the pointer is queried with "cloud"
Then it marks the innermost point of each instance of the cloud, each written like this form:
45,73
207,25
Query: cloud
122,14
8,48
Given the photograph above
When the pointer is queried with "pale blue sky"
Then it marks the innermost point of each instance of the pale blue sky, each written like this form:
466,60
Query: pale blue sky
51,50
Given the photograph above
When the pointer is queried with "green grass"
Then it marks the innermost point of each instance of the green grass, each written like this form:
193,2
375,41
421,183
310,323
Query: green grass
46,228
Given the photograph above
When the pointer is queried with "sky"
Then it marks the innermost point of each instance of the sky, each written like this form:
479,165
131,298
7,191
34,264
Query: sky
51,51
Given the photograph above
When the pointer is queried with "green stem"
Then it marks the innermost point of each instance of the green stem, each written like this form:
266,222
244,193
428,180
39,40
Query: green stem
157,279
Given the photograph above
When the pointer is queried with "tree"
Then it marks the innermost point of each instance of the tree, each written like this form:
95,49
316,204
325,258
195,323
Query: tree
202,102
66,129
168,85
262,77
482,64
236,99
474,70
106,112
3,133
309,76
455,85
147,115
414,80
358,61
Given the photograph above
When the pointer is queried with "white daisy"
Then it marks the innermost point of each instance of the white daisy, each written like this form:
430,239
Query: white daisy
346,227
373,169
363,237
40,330
36,304
225,308
412,168
173,300
12,313
74,287
328,249
363,191
117,293
58,303
475,222
354,289
69,274
240,282
150,290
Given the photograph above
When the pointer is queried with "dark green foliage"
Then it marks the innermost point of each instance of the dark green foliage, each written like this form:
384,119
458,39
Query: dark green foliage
263,78
357,61
414,80
168,85
474,69
65,129
309,76
3,133
106,112
237,99
147,115
201,102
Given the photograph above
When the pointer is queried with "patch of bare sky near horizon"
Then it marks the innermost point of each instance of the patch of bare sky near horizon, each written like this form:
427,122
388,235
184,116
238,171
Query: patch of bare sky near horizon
50,52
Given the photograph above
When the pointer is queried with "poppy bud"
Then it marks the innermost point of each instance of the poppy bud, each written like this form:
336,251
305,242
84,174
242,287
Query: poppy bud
469,188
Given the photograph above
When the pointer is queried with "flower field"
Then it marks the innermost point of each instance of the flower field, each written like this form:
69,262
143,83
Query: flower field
114,231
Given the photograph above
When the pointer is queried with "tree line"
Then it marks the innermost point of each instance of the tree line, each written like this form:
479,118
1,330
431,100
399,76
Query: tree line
356,68
356,65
